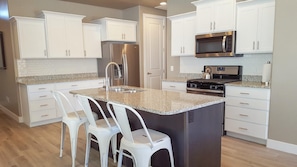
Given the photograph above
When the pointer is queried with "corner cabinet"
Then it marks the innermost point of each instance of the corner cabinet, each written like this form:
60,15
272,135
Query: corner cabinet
117,29
255,26
247,112
29,37
64,35
215,16
92,41
183,34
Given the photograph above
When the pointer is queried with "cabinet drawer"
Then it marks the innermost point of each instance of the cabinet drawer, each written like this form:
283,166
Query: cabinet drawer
43,115
248,115
256,93
245,128
96,83
40,88
247,103
40,95
42,104
72,85
178,86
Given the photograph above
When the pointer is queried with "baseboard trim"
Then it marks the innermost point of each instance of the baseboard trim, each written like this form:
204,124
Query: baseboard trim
11,114
282,146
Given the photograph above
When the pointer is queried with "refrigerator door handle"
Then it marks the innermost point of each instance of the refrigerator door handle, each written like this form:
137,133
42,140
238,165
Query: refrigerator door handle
125,68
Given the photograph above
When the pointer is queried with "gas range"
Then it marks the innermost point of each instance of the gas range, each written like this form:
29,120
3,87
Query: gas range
216,85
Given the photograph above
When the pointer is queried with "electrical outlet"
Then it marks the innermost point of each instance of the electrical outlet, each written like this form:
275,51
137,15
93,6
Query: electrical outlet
171,68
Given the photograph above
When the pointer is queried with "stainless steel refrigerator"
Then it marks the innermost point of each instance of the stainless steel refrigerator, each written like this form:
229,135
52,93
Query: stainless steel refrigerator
127,56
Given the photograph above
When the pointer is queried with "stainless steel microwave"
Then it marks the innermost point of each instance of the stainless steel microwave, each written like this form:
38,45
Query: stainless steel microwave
216,45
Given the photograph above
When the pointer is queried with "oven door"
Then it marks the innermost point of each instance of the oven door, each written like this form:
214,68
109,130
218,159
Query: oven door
210,92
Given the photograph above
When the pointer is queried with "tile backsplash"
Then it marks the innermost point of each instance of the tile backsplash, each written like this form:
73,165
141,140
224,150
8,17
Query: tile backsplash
252,64
41,67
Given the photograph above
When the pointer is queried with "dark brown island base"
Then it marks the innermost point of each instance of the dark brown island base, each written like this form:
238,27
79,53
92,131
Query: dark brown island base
193,122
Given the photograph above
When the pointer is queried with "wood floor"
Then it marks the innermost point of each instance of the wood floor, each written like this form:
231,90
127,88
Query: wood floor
21,146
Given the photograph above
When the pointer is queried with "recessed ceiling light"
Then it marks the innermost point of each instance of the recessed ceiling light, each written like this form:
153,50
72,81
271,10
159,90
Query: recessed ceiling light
163,3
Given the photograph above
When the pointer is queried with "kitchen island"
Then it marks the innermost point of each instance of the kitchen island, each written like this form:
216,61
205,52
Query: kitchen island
194,122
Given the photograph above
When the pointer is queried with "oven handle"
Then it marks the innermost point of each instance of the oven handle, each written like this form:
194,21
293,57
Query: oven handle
205,90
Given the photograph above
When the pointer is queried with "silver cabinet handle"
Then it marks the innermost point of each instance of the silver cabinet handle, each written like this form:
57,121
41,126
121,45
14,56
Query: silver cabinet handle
85,53
66,53
74,85
243,93
43,96
243,115
172,86
214,25
181,49
46,115
258,45
210,25
253,45
149,73
44,52
43,105
244,103
41,88
243,128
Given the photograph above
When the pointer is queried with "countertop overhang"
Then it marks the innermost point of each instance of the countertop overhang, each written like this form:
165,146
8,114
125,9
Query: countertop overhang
155,101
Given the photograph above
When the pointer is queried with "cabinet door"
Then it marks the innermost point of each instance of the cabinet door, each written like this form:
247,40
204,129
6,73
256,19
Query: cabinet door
114,31
177,37
92,41
129,32
224,16
189,36
247,20
56,37
31,38
74,37
204,16
266,28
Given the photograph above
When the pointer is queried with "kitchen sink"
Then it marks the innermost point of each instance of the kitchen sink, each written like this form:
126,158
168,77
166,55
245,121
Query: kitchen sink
125,90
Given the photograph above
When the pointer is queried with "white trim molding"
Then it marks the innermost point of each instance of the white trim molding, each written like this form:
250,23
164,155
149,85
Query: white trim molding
282,146
11,114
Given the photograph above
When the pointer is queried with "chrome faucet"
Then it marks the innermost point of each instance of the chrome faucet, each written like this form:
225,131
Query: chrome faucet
107,81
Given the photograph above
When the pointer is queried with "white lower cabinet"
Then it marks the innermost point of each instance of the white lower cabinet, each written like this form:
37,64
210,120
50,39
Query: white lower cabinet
174,86
38,105
247,112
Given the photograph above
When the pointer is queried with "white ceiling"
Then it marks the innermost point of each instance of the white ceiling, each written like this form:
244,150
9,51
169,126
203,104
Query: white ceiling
120,4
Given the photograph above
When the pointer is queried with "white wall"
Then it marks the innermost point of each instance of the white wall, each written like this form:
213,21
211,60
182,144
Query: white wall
252,64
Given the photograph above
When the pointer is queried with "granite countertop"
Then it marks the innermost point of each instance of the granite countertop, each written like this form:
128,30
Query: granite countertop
250,84
154,101
46,79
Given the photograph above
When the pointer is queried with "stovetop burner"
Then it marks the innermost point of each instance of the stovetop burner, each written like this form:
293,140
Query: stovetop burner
217,81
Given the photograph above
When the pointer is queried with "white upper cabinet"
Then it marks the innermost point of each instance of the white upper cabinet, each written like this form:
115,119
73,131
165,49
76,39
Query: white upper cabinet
29,37
64,35
117,29
92,41
215,16
183,34
255,27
